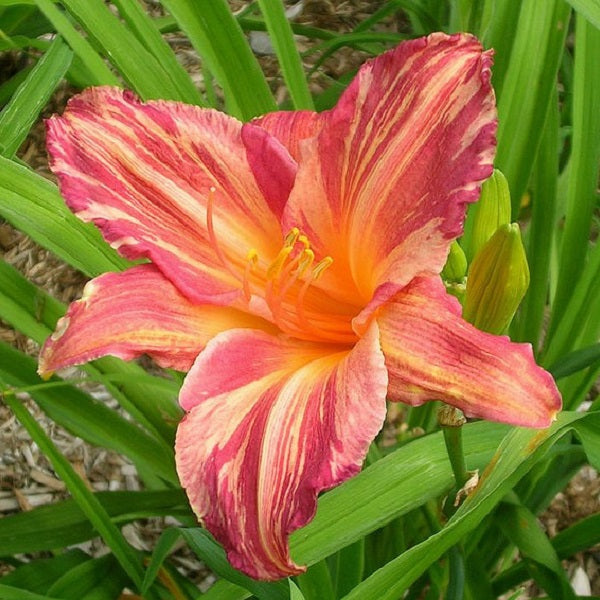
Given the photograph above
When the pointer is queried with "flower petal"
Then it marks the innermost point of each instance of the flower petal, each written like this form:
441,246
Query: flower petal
292,128
135,312
433,354
272,422
398,158
143,172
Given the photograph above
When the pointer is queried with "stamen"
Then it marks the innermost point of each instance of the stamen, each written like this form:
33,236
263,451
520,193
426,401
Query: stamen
289,242
317,271
275,267
291,238
303,262
321,266
211,232
252,260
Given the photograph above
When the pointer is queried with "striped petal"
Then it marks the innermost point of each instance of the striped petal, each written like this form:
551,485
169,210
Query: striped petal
135,312
143,172
384,190
293,128
272,422
433,354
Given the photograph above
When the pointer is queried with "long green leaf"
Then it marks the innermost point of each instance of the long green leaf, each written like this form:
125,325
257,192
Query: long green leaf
32,204
148,35
33,312
203,545
528,89
88,418
522,528
12,593
142,71
576,361
219,40
20,114
225,590
86,500
39,574
282,38
515,456
98,578
100,73
583,170
393,486
64,523
590,9
582,535
541,234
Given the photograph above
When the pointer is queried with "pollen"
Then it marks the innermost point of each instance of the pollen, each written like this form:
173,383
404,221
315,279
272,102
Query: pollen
290,275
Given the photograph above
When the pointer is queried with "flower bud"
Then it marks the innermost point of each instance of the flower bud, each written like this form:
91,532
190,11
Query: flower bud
492,211
456,266
498,279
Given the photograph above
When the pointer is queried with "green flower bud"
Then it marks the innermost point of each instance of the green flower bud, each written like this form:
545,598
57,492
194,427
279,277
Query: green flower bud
498,279
492,211
456,265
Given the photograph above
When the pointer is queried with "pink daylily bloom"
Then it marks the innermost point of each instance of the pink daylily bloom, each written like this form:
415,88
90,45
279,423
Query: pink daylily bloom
294,271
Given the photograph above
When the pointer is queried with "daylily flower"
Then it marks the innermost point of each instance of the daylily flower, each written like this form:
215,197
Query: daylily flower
294,271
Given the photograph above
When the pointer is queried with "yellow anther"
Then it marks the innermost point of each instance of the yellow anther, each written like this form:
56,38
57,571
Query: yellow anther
307,258
292,237
304,241
321,266
252,256
252,260
276,266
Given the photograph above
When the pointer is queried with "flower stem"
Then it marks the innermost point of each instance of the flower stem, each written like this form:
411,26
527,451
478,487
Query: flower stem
451,420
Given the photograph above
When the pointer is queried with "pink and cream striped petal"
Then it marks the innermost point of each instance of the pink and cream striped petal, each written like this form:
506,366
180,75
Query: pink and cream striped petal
190,188
433,354
137,312
292,128
401,154
273,421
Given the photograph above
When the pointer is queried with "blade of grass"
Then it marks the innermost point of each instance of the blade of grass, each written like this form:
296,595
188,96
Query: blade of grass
282,39
518,452
218,39
224,590
32,204
393,486
541,233
204,546
19,115
87,418
89,504
39,574
528,89
499,34
91,59
576,361
8,592
590,9
64,523
577,538
148,35
139,67
393,6
583,173
521,527
576,318
33,312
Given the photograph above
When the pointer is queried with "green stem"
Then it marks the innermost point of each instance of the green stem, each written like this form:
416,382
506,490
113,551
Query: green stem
451,420
453,440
